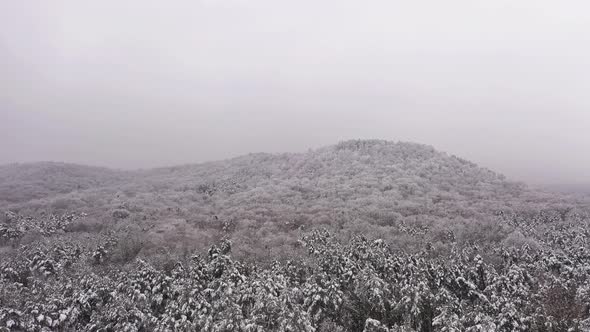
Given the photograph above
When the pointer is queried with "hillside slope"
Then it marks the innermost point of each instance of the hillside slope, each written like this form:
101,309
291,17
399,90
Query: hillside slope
403,191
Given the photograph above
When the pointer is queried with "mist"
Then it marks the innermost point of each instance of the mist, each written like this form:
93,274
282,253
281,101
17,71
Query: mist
142,84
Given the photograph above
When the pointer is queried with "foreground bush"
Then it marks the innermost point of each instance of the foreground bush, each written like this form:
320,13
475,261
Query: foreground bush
358,286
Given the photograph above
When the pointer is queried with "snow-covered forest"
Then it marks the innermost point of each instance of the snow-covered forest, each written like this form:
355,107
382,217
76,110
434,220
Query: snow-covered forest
359,236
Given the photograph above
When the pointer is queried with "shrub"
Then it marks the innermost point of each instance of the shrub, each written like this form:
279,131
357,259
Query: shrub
127,249
120,214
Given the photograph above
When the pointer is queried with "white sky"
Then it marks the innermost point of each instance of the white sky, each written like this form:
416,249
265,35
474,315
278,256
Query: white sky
131,84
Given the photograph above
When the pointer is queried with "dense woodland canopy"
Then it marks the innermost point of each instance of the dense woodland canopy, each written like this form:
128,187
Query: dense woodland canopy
363,235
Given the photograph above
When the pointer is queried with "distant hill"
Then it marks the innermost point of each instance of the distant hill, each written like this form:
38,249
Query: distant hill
404,191
569,188
24,182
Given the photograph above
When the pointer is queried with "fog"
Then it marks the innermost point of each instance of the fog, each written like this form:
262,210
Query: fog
131,84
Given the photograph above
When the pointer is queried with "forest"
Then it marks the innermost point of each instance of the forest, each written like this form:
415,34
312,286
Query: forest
364,235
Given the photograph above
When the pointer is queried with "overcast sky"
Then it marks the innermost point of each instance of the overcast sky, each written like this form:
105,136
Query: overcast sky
131,84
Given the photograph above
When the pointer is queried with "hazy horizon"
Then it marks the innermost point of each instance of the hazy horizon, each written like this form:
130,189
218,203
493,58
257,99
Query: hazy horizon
141,84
